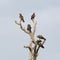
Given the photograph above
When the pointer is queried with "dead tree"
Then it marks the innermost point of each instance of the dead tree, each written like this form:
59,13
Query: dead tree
37,43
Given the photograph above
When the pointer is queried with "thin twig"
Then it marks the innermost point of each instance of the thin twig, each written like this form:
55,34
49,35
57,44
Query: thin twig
28,48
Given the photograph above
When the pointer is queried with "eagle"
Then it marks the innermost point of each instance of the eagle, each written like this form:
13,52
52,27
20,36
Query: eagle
29,27
41,37
21,17
32,16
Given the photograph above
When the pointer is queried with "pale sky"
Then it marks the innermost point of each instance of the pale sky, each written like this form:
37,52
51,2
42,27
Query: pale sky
12,38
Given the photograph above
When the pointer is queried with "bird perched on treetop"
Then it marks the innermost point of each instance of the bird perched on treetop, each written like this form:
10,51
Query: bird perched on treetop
29,27
32,16
21,17
41,37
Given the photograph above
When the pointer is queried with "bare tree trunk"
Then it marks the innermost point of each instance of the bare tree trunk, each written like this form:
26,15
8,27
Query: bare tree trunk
34,57
30,53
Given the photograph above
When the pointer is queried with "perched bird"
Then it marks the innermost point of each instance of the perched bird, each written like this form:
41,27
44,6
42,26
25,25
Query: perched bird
41,37
29,27
38,41
21,17
33,16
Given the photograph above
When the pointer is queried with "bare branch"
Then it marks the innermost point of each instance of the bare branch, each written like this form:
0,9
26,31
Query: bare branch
21,27
35,22
38,49
35,48
28,48
17,23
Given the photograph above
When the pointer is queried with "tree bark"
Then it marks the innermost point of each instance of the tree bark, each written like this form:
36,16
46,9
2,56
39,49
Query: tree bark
34,57
30,53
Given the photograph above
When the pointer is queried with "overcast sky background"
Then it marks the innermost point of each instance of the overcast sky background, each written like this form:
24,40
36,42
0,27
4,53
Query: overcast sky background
12,39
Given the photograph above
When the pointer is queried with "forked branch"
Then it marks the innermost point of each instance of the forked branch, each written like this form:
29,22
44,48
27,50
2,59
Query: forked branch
28,48
22,28
39,46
